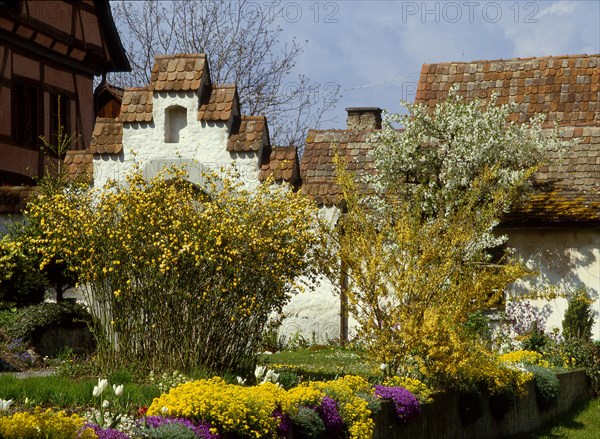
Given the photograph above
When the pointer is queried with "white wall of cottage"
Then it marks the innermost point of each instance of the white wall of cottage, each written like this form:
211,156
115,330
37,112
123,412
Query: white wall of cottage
567,258
199,142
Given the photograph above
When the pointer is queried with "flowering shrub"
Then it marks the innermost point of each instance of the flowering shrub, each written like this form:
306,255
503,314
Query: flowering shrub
202,430
418,246
233,409
328,411
168,380
44,424
414,386
352,407
405,403
220,258
108,433
266,409
525,357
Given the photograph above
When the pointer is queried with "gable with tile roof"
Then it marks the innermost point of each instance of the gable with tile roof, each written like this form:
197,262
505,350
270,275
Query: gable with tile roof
180,115
565,89
557,230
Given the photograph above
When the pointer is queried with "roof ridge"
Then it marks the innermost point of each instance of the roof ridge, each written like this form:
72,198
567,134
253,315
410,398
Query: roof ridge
479,61
181,55
223,86
145,88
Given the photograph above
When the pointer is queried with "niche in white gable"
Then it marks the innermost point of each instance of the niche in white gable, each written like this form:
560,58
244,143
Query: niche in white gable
175,121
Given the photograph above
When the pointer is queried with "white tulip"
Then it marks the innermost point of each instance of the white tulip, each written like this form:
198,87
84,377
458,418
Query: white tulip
259,372
118,389
96,392
105,403
274,377
102,384
5,404
241,381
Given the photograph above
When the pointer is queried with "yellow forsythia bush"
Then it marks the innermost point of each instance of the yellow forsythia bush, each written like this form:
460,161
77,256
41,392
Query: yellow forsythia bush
220,258
44,425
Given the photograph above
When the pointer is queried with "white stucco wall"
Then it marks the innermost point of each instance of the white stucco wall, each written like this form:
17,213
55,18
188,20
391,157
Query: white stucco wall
567,258
199,141
315,313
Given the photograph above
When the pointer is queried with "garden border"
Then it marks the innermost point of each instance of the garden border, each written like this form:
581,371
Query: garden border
442,418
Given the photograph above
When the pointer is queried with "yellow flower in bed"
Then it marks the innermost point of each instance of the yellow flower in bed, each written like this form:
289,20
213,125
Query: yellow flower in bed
353,409
525,357
244,410
414,386
248,411
44,424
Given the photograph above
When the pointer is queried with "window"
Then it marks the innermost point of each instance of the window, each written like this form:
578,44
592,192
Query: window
175,121
26,106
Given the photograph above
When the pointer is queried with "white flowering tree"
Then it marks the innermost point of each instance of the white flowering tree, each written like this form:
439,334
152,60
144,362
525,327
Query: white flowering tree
418,252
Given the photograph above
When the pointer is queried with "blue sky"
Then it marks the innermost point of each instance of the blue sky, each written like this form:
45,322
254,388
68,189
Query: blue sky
375,49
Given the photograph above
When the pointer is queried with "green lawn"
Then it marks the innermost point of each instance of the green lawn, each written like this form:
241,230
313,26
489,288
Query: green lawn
582,423
322,363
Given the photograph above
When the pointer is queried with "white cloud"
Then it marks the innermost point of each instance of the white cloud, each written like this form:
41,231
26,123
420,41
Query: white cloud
558,8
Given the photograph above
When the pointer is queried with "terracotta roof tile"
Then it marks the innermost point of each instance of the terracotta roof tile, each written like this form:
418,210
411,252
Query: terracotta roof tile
317,169
567,188
80,165
13,199
282,165
249,136
107,137
569,84
219,105
178,72
136,105
564,89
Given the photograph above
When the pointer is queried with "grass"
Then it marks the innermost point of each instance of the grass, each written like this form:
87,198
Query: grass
583,422
57,391
322,363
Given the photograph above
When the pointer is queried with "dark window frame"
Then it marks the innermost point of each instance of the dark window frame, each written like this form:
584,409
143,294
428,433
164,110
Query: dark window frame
27,112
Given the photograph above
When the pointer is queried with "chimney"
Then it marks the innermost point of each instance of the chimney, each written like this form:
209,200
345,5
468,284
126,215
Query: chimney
364,118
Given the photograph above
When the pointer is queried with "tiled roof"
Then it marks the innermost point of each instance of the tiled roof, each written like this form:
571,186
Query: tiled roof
567,188
564,88
107,137
282,165
136,105
79,165
111,89
317,168
13,199
178,72
220,103
248,137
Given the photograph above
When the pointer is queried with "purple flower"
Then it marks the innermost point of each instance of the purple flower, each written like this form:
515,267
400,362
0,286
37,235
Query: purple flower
328,411
109,433
202,429
405,403
285,423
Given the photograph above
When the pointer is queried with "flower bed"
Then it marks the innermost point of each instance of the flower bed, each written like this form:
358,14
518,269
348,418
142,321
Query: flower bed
212,408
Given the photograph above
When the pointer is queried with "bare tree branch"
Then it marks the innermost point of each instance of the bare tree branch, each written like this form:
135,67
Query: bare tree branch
243,47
